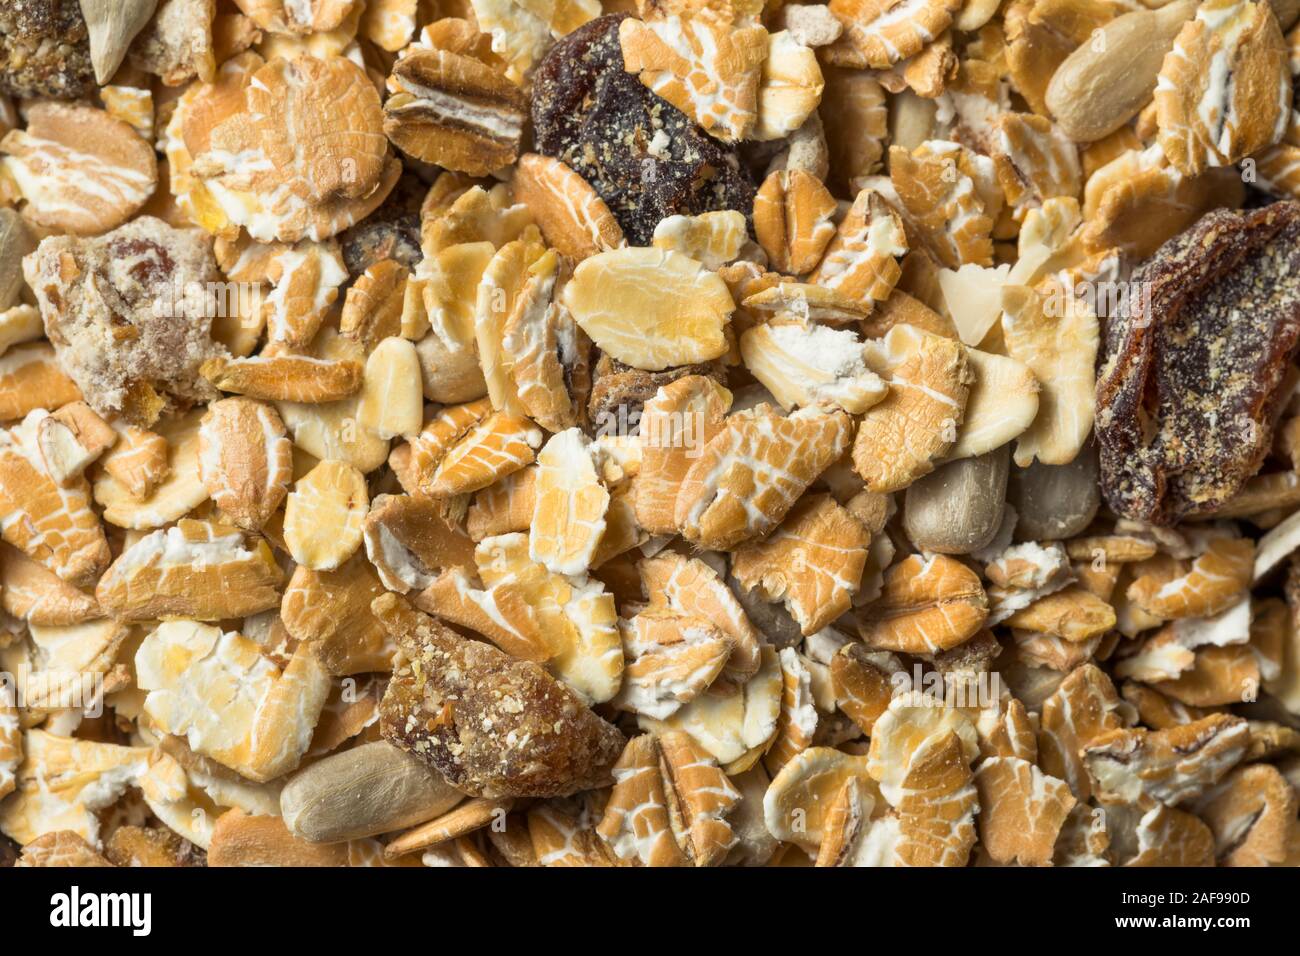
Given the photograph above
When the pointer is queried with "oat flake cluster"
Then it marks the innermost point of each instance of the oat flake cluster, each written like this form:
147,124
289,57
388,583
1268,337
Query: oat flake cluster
649,433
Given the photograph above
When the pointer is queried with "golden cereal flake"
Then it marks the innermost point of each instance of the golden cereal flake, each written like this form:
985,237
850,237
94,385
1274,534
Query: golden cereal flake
569,511
813,562
1224,90
193,569
323,515
650,308
704,58
901,437
690,587
751,473
671,659
1022,810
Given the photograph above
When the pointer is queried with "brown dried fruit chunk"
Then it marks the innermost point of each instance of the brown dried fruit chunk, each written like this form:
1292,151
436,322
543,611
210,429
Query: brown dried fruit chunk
44,49
491,724
1194,366
644,158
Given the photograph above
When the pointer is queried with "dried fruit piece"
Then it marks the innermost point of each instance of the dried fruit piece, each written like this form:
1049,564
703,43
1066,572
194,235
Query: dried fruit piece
45,51
572,217
1186,398
650,308
218,690
1224,90
751,473
492,725
646,159
901,437
79,170
245,460
704,58
323,515
812,563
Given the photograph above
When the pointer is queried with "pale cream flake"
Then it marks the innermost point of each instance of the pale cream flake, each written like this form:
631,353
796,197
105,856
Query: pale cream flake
323,515
812,365
231,703
62,783
569,514
1056,336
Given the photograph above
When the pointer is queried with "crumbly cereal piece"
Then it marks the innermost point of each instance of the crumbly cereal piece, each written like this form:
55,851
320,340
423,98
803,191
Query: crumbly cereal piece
128,313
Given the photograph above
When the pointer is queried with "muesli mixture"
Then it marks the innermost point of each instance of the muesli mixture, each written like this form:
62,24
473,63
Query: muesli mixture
656,433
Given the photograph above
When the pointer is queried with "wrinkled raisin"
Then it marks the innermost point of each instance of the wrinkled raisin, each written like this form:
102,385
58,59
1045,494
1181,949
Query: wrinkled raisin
44,49
645,158
1195,362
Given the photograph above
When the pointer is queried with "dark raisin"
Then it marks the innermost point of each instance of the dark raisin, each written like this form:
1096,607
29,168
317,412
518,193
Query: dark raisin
390,232
644,157
1195,362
